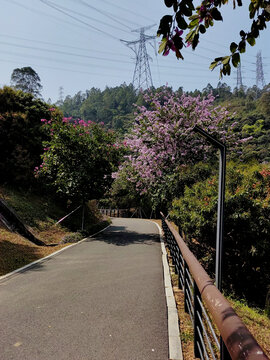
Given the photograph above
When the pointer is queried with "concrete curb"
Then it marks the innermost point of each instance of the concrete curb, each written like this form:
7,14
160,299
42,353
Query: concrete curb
175,348
24,268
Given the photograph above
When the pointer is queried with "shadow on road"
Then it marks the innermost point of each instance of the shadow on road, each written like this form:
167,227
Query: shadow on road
120,236
14,256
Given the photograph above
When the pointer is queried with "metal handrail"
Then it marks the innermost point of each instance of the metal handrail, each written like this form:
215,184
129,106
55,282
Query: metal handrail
238,340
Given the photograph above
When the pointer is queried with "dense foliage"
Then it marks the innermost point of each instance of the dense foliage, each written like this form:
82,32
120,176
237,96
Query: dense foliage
113,106
247,227
250,111
20,135
197,20
78,158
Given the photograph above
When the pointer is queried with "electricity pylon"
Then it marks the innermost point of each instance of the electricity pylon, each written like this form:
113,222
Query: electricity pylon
259,71
61,95
142,78
239,83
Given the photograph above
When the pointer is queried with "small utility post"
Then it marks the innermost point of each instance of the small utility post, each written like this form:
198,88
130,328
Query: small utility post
83,212
224,354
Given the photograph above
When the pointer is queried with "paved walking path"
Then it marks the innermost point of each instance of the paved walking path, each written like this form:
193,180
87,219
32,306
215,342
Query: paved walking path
102,299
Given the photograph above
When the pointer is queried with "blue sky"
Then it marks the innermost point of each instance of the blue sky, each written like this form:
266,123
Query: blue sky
82,50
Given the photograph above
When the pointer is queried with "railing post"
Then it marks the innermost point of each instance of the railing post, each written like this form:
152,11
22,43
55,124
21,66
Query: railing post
181,274
176,268
185,287
197,323
224,353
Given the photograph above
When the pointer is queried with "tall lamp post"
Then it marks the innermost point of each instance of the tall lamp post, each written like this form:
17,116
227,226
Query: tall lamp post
221,198
220,218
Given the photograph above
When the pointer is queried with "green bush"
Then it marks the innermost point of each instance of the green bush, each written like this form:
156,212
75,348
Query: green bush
246,227
72,238
20,136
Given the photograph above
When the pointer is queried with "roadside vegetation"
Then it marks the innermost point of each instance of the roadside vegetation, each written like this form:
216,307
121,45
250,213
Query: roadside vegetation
40,213
139,151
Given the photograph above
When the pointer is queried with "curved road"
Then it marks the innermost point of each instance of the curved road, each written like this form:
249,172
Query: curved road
102,299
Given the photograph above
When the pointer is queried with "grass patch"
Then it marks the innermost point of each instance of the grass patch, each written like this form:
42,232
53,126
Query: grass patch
256,320
40,214
16,251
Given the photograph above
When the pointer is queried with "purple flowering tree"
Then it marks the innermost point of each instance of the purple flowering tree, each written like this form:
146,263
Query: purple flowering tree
162,140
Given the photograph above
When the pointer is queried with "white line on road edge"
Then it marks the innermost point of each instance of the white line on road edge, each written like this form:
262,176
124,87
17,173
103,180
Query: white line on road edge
175,348
22,269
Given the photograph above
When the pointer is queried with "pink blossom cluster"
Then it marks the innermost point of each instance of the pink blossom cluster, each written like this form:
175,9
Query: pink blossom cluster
69,120
163,140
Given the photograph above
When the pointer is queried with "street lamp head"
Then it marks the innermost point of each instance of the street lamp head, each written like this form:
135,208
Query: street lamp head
209,137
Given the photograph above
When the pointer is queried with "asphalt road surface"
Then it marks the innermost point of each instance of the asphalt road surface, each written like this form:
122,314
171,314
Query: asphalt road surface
102,299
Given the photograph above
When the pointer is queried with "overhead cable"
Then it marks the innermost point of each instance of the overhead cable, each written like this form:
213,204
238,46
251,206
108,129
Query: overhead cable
79,20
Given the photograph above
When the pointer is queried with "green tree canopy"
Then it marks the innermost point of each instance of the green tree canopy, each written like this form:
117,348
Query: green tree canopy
78,158
27,80
21,136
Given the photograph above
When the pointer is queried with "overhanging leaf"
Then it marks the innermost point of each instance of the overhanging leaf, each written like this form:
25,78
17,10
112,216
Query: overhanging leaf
216,14
169,3
236,59
162,45
213,65
251,40
181,22
225,60
233,47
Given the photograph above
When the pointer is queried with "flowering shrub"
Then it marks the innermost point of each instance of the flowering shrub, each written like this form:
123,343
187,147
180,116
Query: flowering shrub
162,140
78,158
246,230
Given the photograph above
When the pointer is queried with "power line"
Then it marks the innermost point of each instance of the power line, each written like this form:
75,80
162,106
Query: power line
105,13
43,13
97,65
59,68
224,47
79,20
63,61
88,17
91,57
64,52
128,10
106,52
61,45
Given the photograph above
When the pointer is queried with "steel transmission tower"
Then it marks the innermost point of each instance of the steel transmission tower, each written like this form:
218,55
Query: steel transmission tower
61,94
239,83
142,78
259,71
